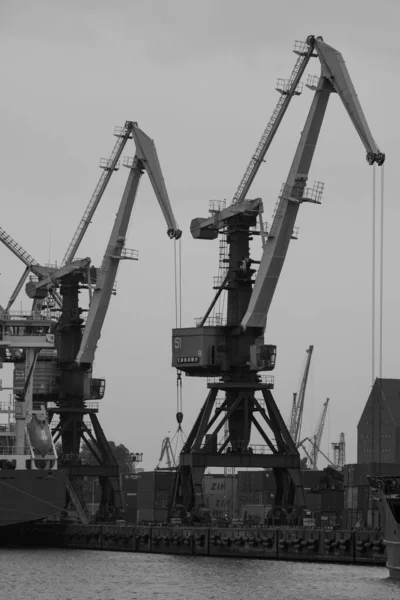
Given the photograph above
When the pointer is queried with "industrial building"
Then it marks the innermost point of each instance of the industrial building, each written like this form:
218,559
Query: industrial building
379,426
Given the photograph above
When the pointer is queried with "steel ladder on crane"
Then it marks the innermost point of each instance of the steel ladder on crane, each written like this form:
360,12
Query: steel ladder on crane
287,89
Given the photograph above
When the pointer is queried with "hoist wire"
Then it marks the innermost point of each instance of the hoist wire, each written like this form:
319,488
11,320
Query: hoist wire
373,269
180,282
178,315
176,286
381,274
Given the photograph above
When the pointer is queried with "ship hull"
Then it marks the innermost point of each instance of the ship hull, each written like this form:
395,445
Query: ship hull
393,558
30,495
388,498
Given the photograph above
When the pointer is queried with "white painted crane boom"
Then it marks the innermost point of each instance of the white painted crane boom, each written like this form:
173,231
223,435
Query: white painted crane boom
145,159
334,77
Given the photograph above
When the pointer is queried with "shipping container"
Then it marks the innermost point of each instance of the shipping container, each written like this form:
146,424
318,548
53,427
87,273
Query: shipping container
332,500
130,506
311,479
313,501
252,480
129,482
251,497
155,489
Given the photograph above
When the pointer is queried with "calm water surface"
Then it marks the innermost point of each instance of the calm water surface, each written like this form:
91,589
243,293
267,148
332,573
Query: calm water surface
32,574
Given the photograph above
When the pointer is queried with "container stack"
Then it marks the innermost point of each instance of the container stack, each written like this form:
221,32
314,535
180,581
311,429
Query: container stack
360,508
256,492
220,495
154,494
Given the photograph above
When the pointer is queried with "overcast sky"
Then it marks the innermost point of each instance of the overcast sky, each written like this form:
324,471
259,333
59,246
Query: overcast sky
199,77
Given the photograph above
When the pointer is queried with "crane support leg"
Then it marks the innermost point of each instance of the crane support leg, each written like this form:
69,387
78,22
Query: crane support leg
202,449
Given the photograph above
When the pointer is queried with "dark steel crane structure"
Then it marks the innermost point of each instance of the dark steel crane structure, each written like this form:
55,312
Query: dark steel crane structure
231,349
76,339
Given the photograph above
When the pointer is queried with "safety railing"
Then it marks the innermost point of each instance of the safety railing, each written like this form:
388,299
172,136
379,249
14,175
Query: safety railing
107,163
240,447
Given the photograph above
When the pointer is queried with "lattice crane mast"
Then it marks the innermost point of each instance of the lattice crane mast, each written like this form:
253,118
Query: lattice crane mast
298,406
232,350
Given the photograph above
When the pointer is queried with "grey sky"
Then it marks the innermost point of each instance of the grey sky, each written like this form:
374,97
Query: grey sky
199,77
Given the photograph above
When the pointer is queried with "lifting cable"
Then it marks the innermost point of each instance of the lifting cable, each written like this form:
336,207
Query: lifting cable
178,322
378,292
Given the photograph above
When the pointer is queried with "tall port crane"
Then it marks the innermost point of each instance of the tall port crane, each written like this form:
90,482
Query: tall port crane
168,455
75,340
231,349
298,401
76,348
317,437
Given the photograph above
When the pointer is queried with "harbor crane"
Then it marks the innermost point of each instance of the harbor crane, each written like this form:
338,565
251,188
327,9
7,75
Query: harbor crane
76,339
167,455
298,401
228,348
317,437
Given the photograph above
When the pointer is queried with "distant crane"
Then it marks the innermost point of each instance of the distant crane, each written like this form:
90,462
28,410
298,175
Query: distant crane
318,436
168,455
339,452
298,405
314,448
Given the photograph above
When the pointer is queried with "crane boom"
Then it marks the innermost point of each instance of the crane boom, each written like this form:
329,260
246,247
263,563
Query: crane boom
16,249
146,159
123,135
287,93
315,443
321,424
334,69
334,78
30,263
147,154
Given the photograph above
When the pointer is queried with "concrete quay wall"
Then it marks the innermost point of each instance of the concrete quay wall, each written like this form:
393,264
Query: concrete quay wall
364,547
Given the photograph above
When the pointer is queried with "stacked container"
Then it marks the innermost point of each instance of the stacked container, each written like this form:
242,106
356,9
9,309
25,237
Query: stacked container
154,494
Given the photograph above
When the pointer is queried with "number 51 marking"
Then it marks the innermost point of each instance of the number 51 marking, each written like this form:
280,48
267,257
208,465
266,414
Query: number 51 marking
178,343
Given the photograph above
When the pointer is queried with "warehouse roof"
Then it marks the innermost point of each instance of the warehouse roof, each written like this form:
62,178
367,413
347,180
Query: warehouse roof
389,391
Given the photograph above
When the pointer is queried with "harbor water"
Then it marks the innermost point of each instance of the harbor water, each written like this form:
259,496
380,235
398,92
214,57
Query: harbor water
66,574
